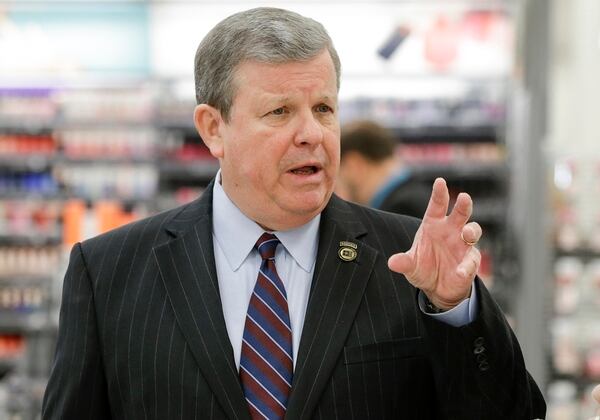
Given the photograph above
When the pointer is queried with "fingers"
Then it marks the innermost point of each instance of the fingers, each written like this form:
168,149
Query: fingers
469,266
402,263
438,203
463,208
471,233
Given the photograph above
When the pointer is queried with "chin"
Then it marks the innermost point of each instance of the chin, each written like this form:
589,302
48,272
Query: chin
308,204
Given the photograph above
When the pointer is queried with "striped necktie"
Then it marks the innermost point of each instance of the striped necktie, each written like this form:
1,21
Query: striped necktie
266,361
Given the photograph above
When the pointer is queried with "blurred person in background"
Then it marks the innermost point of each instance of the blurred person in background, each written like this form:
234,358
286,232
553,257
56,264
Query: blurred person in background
269,296
372,174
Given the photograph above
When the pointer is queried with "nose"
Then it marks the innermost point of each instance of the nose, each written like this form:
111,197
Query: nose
309,131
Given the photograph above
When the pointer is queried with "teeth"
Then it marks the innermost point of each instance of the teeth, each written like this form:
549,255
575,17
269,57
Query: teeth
304,171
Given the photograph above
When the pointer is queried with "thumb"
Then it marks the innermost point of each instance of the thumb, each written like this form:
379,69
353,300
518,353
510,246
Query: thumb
401,262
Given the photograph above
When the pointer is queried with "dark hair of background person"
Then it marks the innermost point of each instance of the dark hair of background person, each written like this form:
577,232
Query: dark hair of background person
368,138
377,177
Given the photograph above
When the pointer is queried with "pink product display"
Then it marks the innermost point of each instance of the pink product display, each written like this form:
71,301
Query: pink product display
21,107
567,275
29,218
134,106
117,143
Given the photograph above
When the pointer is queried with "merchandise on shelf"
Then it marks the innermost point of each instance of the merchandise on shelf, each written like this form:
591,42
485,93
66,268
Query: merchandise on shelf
30,218
106,106
81,221
27,107
117,143
575,349
101,181
478,114
21,144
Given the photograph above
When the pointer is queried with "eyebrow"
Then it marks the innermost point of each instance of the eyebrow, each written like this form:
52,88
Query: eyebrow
270,99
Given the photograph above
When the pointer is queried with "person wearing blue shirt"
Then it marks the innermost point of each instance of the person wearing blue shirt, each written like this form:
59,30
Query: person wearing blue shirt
372,174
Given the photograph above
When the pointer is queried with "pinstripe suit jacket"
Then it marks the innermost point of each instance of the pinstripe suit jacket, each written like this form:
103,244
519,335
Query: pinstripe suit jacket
142,333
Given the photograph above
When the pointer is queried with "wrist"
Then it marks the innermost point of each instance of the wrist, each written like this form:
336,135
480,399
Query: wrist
436,305
430,307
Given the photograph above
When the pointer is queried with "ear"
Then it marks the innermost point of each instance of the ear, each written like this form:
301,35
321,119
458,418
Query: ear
208,122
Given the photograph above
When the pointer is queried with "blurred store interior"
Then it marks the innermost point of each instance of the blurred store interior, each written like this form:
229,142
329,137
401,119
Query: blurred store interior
498,97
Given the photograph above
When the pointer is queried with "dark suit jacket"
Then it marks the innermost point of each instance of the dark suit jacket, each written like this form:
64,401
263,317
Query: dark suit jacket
142,333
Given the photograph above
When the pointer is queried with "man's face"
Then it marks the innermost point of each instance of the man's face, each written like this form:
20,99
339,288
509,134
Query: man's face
280,151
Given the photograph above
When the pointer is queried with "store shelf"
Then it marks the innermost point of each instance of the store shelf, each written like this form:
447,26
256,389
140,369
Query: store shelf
104,160
448,134
461,170
26,279
8,363
29,240
27,127
192,170
25,162
14,322
582,253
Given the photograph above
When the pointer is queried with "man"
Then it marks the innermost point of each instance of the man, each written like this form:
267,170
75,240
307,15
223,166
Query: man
372,175
201,312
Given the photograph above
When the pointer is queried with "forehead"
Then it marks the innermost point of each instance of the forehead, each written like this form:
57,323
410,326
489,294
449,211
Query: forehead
316,76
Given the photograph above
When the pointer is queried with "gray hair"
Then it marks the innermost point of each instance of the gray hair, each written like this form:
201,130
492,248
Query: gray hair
264,34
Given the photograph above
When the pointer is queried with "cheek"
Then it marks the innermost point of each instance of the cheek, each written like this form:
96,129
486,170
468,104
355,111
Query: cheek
333,152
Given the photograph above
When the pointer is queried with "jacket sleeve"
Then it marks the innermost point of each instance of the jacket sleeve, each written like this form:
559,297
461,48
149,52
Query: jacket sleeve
479,369
77,385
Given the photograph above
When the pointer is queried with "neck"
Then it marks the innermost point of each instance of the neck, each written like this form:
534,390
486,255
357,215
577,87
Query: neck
375,178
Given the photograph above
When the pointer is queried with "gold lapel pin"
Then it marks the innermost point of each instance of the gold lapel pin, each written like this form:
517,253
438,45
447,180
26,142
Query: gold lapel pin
347,251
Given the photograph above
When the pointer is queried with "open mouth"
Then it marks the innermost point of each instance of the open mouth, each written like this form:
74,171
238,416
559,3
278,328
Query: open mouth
305,170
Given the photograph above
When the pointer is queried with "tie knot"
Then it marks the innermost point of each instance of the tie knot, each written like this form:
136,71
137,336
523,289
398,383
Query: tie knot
266,245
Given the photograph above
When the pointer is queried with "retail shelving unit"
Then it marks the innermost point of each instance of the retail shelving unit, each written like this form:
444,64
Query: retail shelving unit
29,245
574,353
90,159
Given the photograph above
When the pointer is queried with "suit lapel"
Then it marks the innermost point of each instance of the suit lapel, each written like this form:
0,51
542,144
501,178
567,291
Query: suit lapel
336,293
188,271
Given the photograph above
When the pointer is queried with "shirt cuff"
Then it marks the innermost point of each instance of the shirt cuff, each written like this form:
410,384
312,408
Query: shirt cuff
462,314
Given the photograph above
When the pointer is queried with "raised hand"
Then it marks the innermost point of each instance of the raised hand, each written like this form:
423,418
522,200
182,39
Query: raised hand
442,261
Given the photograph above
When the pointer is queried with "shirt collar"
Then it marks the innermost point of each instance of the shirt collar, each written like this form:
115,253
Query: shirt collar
237,234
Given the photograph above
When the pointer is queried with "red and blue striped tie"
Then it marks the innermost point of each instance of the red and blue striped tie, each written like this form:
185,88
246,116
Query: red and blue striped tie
266,366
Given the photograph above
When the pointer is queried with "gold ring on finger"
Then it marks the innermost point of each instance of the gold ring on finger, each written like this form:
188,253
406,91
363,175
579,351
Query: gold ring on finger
465,241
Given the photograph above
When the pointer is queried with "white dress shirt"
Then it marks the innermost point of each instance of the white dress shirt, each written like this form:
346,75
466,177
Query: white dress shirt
237,264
